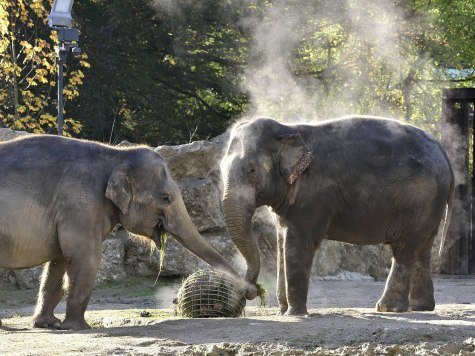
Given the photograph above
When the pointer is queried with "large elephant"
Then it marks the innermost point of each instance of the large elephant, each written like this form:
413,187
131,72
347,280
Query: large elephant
60,198
360,180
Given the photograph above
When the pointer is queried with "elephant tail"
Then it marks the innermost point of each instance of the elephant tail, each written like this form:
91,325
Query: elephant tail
448,214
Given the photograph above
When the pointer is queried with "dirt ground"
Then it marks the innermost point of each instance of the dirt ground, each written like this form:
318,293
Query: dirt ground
342,322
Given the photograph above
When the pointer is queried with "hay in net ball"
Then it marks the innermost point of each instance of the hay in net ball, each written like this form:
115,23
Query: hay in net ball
210,294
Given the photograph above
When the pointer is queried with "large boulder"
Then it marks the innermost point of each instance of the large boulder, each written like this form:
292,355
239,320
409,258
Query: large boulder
141,259
8,134
112,262
194,160
264,226
28,278
7,276
202,200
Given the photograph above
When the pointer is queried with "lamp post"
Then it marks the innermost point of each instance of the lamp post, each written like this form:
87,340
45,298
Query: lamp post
60,20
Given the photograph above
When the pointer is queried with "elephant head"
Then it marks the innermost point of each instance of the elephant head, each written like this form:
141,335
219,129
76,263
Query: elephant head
148,201
263,161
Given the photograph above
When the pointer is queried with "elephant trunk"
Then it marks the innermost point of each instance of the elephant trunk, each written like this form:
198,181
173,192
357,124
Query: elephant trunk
178,223
239,206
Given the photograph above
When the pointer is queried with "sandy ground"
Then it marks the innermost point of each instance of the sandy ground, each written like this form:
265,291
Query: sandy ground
342,322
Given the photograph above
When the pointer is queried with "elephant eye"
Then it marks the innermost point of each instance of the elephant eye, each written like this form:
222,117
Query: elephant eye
166,198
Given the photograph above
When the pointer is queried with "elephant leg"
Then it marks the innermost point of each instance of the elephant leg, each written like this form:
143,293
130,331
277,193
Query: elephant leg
50,293
83,260
281,293
299,250
421,290
395,297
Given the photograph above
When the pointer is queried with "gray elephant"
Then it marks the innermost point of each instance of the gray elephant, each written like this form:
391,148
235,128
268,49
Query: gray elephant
60,198
359,180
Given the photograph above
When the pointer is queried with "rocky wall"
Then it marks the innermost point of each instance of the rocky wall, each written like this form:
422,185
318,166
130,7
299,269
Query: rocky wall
195,167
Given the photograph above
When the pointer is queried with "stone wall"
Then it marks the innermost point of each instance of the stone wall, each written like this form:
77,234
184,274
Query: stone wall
195,167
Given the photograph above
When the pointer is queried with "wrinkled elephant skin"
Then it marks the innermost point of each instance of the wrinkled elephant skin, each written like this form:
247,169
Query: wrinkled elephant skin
60,198
361,180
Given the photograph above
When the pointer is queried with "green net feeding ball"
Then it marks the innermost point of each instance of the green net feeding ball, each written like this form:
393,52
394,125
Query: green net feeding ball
210,294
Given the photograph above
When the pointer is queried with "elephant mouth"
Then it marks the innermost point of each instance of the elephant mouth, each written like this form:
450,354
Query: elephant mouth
158,231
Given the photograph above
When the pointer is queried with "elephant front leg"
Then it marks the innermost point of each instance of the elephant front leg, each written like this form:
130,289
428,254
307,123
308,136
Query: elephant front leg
50,293
83,261
281,292
299,250
81,275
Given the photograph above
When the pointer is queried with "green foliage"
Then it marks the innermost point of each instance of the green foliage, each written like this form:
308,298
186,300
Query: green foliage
156,77
262,294
28,67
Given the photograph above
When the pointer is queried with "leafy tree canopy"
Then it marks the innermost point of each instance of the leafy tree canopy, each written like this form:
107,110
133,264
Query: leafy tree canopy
28,68
164,71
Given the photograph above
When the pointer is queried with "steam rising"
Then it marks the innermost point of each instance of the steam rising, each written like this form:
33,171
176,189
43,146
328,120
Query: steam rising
282,88
353,57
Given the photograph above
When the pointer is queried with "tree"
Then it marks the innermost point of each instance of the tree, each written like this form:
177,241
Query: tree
28,67
160,78
169,72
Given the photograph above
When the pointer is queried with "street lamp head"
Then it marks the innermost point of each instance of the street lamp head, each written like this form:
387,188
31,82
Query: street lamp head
60,15
60,20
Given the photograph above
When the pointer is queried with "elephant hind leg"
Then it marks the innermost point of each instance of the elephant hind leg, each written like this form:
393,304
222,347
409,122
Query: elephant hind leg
50,293
421,293
395,297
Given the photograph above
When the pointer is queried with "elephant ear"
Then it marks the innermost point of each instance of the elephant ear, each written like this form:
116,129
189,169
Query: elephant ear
294,156
119,187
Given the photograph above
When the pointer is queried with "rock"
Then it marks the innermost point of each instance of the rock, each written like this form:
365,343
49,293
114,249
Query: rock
180,261
264,225
193,160
125,143
333,257
140,257
8,276
112,262
28,278
373,260
202,200
140,261
327,259
7,134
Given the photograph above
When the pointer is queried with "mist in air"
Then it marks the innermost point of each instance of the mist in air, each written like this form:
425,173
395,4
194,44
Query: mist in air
351,53
313,60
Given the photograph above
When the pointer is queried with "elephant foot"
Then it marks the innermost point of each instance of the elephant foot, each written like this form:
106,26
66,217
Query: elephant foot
296,311
421,306
392,307
283,310
74,325
46,322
